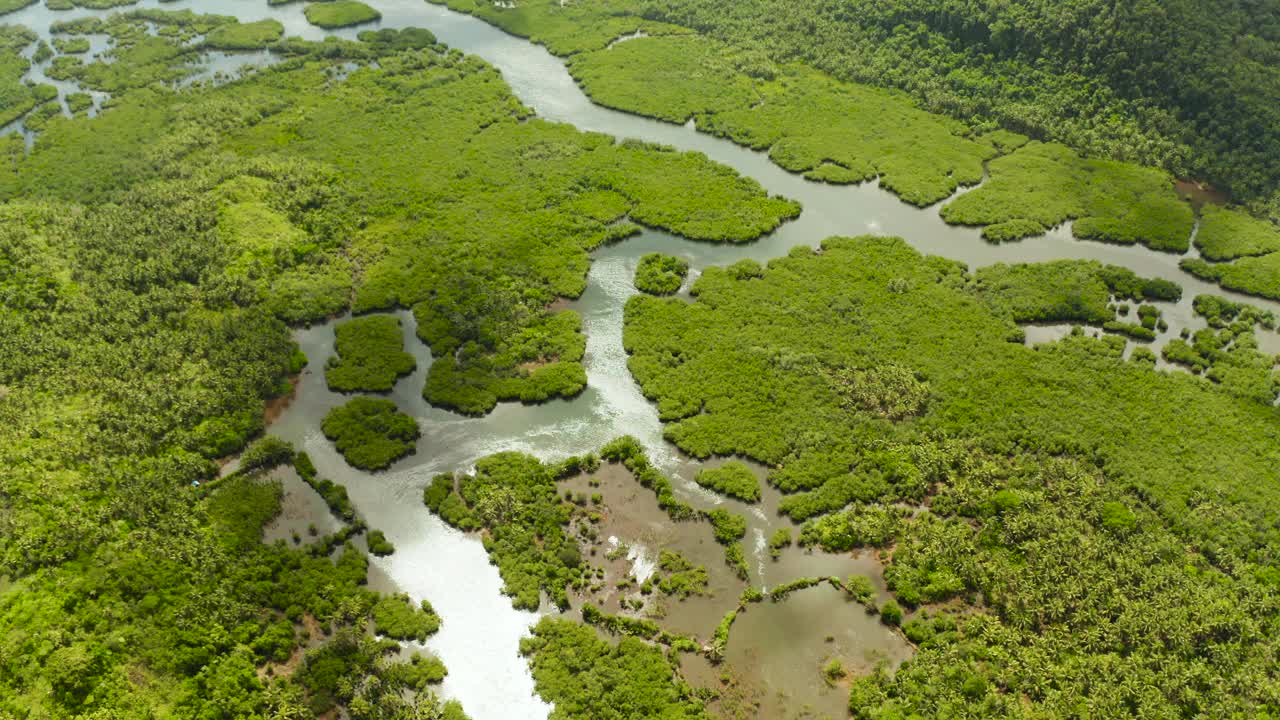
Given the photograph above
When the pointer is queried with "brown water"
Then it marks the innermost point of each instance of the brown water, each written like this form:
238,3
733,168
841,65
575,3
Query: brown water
776,651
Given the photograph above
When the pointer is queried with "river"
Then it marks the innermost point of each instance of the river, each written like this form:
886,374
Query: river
480,636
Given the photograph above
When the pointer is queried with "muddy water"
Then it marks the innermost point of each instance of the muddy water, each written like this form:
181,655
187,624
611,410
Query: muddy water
479,638
777,650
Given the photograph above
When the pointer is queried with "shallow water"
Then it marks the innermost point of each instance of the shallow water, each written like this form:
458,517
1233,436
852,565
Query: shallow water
479,638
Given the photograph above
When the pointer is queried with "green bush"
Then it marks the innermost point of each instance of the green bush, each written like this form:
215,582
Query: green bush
1227,234
265,453
733,478
378,544
396,617
659,274
370,432
728,526
891,614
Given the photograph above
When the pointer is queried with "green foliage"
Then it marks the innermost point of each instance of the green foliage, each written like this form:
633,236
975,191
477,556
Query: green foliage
891,614
889,391
1255,275
831,131
1227,234
370,357
378,544
16,97
241,506
779,540
513,497
588,678
265,453
1220,312
780,592
720,638
8,6
860,590
370,432
71,46
660,274
334,495
620,625
1011,230
352,670
340,13
728,526
564,28
733,478
628,451
735,558
396,617
1136,332
679,576
78,103
751,380
1046,185
245,36
418,673
1020,64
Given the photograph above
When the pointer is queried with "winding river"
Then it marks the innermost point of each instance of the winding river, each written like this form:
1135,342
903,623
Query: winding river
479,639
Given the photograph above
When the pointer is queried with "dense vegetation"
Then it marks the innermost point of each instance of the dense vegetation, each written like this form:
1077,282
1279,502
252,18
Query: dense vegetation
370,355
752,379
733,478
1251,246
1065,290
1094,75
1107,533
481,298
586,677
371,433
151,257
513,498
659,274
1061,588
1041,186
340,13
755,91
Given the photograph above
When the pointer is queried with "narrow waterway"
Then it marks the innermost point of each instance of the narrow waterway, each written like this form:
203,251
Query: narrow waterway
480,635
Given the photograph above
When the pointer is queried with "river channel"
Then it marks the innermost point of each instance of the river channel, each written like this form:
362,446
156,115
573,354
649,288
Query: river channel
479,639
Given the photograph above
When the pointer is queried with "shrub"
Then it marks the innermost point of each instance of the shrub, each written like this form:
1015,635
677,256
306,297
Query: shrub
891,614
659,274
396,617
265,453
378,544
733,478
779,539
728,526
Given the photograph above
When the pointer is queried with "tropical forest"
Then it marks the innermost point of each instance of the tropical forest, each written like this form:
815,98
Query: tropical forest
638,359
